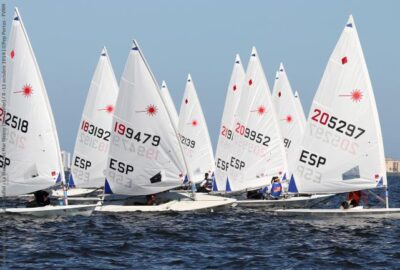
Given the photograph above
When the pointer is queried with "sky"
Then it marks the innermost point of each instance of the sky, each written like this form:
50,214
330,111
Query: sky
201,37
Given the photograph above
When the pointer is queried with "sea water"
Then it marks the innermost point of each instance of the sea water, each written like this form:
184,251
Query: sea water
233,239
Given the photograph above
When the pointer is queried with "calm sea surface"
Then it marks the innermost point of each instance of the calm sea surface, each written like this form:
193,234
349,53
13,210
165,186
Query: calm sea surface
234,239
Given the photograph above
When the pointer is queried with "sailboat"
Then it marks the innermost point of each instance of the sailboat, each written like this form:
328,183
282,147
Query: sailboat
256,152
193,134
30,158
300,110
92,142
288,116
145,155
342,149
225,138
169,103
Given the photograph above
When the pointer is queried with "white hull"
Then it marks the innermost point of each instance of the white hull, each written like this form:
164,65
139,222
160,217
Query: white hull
73,192
177,202
352,212
53,211
290,202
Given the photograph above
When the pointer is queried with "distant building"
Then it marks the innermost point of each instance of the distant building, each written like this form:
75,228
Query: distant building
392,165
66,160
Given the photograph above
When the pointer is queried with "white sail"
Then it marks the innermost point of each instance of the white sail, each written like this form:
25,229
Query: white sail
32,159
300,109
258,154
144,156
91,147
169,103
290,124
194,137
225,144
342,149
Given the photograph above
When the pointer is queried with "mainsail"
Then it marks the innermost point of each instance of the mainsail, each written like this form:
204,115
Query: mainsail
300,109
169,103
144,156
259,153
291,127
223,154
342,149
194,137
91,147
32,156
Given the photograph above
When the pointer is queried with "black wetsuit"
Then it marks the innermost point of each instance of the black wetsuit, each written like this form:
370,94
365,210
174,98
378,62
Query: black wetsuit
40,200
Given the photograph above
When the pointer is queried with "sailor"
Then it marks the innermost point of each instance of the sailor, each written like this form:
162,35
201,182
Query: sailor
276,188
151,199
205,184
353,200
41,199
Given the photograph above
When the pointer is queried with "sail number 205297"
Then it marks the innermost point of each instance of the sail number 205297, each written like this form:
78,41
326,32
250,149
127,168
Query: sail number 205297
143,137
334,123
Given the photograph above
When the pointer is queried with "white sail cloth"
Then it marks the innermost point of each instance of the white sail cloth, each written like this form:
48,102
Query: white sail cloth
91,147
32,152
169,103
289,118
145,155
258,154
342,149
300,109
223,154
194,137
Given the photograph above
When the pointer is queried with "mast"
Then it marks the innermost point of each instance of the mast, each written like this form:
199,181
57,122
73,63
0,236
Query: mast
189,173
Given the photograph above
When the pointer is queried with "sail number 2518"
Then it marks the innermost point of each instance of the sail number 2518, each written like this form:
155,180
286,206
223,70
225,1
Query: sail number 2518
129,133
334,123
252,134
14,121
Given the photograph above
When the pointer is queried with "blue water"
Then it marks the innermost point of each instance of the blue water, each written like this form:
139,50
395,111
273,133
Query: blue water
234,239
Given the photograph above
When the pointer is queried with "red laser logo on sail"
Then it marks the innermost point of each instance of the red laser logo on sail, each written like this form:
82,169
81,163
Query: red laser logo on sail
12,54
260,110
151,110
288,119
108,108
26,90
355,95
194,123
234,87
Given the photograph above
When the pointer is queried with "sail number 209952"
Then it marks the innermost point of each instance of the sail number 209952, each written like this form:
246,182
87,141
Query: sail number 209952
143,137
252,135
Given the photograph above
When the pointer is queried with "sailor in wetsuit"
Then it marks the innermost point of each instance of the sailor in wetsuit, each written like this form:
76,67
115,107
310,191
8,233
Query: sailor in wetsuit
41,199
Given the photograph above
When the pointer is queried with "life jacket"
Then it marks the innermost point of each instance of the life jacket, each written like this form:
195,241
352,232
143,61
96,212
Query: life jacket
276,189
